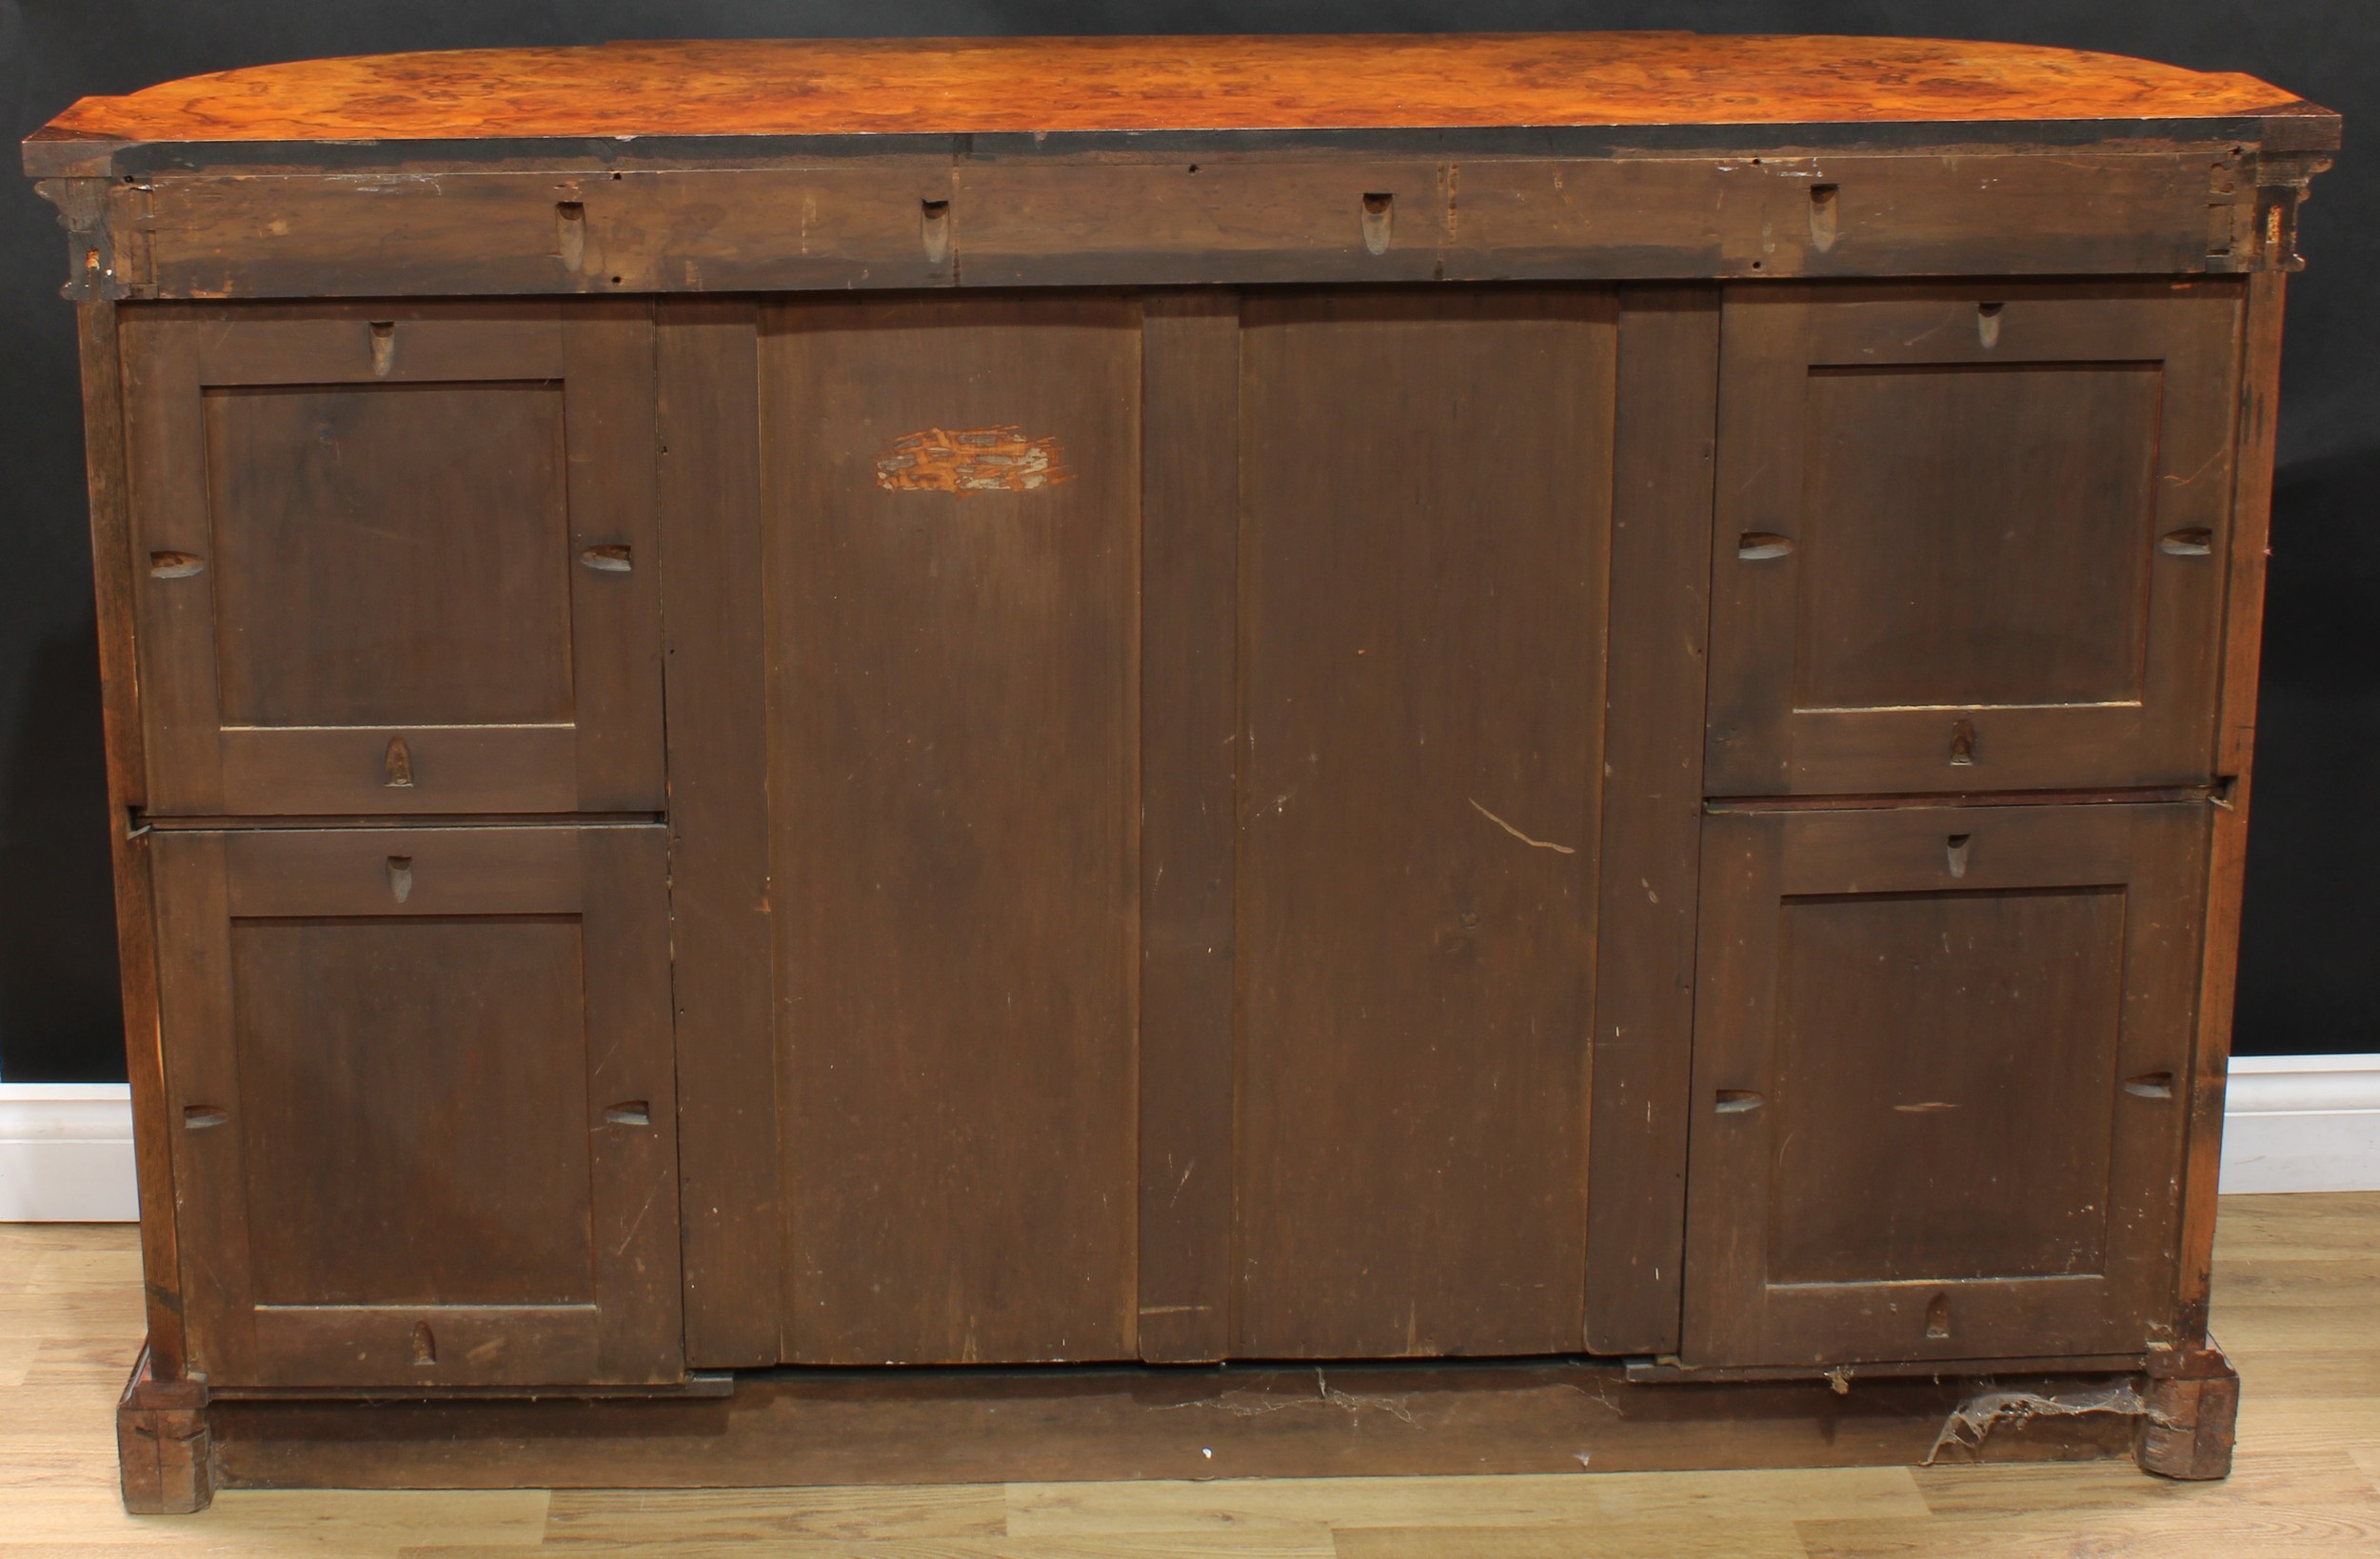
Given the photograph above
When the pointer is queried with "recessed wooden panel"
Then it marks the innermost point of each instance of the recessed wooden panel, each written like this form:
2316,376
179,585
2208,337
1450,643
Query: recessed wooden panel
422,1110
1921,1036
1970,538
1424,501
1940,1068
952,503
414,1097
395,559
391,555
1971,534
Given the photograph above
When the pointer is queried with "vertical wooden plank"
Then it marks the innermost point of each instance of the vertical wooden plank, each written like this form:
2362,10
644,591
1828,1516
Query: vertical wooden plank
608,388
1660,612
952,489
120,708
2234,760
209,1181
1425,499
1189,766
715,665
633,1163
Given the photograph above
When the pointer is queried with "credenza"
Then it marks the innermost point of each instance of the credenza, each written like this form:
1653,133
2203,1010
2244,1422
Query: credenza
843,761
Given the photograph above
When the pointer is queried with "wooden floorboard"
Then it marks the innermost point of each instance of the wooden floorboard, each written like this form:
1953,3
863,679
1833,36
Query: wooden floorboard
2297,1305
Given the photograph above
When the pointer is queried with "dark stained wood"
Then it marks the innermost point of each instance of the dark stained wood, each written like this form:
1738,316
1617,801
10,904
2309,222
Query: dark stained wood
1938,1073
709,380
136,949
971,86
1196,215
953,745
162,1442
1189,789
1643,1045
2235,759
422,1086
2192,1422
845,1427
1970,538
1425,498
381,598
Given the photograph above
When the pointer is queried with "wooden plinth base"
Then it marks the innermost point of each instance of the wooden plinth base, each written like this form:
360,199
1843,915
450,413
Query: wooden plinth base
814,1427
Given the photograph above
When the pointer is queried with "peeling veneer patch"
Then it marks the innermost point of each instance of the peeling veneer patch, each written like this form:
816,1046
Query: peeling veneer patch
973,459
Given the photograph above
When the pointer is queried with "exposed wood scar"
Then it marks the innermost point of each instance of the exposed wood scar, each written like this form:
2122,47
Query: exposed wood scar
1534,844
975,460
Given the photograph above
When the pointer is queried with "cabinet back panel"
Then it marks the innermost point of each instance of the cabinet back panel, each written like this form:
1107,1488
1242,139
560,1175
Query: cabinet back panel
391,555
1424,495
1974,534
1945,1070
413,1094
951,490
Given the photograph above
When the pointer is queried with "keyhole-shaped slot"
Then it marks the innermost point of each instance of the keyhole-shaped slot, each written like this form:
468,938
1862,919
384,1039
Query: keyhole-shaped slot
570,234
610,558
1737,1101
424,1345
400,870
383,348
1938,1317
174,565
1955,856
1756,545
1962,743
630,1113
934,227
1379,216
1988,324
2150,1085
397,763
1823,228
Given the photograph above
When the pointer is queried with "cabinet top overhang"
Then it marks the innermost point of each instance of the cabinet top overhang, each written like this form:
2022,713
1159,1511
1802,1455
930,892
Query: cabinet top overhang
1351,87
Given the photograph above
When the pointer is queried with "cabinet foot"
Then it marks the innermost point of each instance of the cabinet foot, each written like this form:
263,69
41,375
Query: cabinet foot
162,1444
2193,1415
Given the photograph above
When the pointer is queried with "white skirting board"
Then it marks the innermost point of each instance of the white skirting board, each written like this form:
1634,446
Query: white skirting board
2291,1123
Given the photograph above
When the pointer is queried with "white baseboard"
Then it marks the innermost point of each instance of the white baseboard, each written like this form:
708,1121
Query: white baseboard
66,1153
2291,1123
2302,1123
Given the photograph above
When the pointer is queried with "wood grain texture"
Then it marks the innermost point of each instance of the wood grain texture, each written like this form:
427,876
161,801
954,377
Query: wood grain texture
2234,761
979,85
1937,1104
1669,354
1189,789
422,1096
708,390
1914,484
954,751
1425,493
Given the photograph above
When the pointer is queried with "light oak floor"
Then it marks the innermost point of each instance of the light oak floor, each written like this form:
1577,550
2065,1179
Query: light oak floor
2297,1305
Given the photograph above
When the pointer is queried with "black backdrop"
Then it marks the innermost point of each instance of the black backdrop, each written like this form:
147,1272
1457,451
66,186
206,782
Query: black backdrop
2313,893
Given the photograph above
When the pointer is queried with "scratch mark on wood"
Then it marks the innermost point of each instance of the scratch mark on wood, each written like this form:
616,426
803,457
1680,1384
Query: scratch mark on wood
1534,844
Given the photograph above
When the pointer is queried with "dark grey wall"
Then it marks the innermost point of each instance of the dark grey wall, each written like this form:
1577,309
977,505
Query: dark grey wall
2315,871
